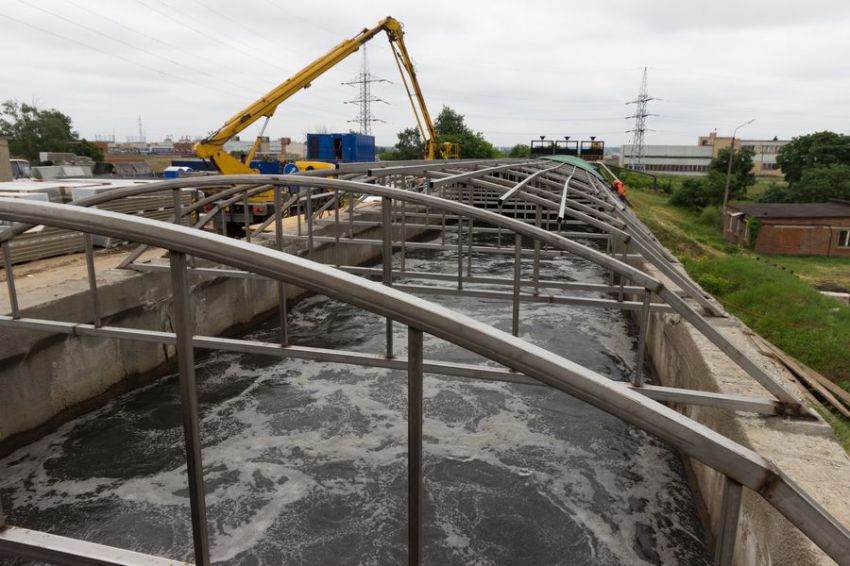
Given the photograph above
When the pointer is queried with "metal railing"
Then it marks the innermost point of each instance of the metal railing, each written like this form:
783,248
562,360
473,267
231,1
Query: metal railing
741,466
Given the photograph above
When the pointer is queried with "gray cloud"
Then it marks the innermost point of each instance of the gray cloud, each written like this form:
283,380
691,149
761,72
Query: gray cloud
515,70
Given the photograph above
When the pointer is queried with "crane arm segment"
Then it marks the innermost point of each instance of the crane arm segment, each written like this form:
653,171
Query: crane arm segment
212,147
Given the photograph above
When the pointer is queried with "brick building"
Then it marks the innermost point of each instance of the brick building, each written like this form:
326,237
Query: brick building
818,228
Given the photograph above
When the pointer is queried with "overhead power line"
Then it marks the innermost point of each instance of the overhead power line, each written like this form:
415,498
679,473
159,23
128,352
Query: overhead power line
364,80
636,160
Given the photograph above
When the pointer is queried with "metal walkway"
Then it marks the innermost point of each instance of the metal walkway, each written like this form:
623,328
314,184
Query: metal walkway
532,209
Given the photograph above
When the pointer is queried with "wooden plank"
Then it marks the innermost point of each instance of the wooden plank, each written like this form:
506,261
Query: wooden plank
812,378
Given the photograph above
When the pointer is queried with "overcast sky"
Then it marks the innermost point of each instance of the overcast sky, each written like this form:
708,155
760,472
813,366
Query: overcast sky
514,69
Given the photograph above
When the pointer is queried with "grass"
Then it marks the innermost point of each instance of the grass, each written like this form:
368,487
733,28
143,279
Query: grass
774,295
824,273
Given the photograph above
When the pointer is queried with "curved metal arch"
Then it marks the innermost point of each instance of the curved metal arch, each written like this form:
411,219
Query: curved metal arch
254,184
695,440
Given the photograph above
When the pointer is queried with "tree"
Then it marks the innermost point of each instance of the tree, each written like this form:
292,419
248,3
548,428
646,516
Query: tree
451,127
742,169
449,122
409,146
31,130
700,192
519,150
817,184
813,150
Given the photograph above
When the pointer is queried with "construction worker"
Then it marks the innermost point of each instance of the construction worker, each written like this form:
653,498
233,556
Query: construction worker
621,191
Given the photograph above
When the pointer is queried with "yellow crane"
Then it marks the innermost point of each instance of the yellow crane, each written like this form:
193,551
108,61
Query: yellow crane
212,147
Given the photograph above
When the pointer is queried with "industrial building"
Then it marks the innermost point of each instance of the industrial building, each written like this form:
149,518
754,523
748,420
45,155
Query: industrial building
694,159
819,228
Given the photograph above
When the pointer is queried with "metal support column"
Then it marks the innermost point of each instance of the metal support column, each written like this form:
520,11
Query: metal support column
517,273
337,253
387,257
281,286
246,215
536,273
309,215
637,377
730,509
183,330
92,280
414,445
10,281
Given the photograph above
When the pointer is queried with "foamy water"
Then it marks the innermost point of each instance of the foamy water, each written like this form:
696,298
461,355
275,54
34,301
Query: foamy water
305,462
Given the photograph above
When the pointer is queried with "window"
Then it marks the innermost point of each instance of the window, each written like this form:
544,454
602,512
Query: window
844,238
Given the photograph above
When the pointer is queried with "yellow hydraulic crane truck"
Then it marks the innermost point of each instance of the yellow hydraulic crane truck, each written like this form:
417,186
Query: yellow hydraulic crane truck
212,147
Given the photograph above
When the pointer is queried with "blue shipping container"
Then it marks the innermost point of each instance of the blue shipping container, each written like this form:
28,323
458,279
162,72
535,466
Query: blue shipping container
336,148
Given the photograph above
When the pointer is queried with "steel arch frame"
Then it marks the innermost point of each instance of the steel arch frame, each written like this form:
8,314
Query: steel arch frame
739,465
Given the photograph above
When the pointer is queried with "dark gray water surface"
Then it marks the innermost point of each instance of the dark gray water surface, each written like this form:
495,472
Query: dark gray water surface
305,462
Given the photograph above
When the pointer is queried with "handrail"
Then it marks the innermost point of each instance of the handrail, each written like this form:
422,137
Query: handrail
742,465
556,241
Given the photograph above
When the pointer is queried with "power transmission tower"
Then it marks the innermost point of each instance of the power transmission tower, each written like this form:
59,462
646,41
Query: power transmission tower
638,155
364,80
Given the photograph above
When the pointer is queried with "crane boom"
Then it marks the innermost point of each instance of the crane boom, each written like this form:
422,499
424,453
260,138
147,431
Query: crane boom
212,147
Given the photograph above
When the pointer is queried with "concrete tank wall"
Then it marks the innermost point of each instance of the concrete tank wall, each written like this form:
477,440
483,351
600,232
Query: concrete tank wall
47,379
807,451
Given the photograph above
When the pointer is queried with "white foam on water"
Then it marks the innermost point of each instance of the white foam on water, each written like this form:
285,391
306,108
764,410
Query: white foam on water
265,461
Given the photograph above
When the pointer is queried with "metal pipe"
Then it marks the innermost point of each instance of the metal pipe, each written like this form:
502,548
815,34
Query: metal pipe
536,268
460,254
351,215
246,214
10,280
281,286
469,239
414,444
525,181
183,330
517,273
92,277
387,258
730,511
693,439
309,215
453,179
637,376
338,253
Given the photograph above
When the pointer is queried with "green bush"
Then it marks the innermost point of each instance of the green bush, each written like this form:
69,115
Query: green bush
714,284
710,216
699,192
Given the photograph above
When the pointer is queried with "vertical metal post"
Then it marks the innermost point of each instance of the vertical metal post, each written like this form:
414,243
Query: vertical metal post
414,445
298,209
623,279
730,508
309,215
460,252
183,330
537,220
246,214
469,236
351,215
403,227
337,254
92,280
178,206
637,377
10,281
281,286
517,274
443,240
387,257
